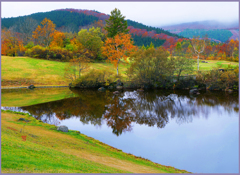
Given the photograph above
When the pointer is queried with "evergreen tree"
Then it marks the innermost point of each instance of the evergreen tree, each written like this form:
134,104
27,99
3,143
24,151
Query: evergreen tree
116,24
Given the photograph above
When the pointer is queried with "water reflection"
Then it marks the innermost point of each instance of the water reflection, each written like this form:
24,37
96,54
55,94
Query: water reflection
152,108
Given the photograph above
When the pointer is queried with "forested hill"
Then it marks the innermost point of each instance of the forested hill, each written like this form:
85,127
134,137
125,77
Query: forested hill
72,20
103,16
60,18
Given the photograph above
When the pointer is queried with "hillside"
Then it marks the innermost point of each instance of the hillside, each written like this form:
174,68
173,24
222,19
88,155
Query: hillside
60,18
72,20
26,146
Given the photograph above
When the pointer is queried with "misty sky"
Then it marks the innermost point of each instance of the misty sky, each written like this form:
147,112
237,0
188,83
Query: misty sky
149,13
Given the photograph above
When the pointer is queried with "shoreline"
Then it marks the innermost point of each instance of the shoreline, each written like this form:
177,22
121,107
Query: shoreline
23,87
57,86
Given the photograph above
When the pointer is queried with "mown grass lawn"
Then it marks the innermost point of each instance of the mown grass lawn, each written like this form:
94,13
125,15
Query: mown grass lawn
36,147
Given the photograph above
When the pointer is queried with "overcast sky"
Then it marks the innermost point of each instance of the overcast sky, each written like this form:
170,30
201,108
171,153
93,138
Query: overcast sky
149,13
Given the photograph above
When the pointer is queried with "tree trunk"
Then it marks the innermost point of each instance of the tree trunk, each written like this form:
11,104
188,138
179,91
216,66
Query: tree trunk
117,65
198,63
117,69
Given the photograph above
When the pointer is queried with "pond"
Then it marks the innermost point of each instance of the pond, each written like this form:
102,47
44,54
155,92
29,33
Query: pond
199,134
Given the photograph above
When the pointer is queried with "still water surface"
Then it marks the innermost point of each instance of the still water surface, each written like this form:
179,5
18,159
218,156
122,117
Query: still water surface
198,134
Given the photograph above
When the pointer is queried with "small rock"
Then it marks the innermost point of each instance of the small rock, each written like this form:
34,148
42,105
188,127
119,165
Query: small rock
116,92
63,128
194,91
31,87
119,87
101,89
140,90
21,119
119,83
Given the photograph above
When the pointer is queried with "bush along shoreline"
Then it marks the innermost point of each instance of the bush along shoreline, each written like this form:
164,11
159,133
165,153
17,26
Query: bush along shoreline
209,80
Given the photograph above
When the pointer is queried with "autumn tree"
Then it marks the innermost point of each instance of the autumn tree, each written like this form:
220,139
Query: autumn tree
116,24
43,34
231,47
117,48
11,44
58,39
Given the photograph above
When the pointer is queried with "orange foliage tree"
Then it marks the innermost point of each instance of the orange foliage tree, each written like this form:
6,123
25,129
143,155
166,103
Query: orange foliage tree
10,43
117,48
231,47
58,39
43,34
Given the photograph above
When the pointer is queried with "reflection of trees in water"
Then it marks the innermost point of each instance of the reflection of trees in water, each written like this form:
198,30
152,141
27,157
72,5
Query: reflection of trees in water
149,108
153,109
88,106
118,114
216,99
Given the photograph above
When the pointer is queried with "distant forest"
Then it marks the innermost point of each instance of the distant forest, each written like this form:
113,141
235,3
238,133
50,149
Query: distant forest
218,34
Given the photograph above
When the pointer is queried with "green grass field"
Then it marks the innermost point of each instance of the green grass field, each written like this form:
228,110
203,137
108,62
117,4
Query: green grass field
17,71
45,72
36,147
215,63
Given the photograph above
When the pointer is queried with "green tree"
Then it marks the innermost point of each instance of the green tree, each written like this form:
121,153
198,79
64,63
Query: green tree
116,24
92,40
183,64
150,66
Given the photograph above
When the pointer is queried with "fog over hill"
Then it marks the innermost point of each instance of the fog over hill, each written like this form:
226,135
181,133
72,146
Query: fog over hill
208,24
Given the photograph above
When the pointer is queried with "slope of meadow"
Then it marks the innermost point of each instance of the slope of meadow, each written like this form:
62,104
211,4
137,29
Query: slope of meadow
36,147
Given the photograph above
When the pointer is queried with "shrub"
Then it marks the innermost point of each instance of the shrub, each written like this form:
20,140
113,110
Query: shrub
29,45
215,79
59,53
97,78
37,52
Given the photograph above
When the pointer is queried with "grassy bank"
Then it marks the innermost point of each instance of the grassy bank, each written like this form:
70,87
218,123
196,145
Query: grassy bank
46,150
22,71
